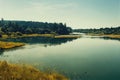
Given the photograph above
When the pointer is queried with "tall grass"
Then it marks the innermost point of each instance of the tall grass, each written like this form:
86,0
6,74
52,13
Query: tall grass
23,72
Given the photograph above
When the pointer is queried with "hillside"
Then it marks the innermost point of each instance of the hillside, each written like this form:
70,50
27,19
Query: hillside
31,27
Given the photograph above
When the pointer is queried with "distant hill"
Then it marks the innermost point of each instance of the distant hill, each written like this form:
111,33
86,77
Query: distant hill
115,30
30,27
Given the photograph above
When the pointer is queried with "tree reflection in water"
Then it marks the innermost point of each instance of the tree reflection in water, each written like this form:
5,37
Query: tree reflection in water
1,52
41,40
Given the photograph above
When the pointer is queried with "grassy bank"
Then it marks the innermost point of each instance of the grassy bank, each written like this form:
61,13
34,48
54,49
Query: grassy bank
27,35
37,35
8,45
41,35
117,36
67,36
20,72
112,36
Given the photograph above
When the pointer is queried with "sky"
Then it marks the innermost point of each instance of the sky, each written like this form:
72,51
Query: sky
75,13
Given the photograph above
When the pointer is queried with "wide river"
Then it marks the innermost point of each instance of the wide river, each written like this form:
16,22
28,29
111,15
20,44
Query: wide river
85,58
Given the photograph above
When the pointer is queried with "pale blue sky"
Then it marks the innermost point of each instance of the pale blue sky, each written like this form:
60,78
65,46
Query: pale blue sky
76,13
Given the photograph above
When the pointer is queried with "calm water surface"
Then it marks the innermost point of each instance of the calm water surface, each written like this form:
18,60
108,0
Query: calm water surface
85,58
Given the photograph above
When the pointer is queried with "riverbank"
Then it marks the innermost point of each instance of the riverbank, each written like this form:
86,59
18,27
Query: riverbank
112,36
9,45
116,36
41,35
67,36
26,35
22,72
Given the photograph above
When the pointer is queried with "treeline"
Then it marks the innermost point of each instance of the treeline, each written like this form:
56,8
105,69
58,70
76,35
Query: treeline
115,30
30,27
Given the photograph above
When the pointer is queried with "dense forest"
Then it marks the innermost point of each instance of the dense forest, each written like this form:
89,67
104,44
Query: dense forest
30,27
112,30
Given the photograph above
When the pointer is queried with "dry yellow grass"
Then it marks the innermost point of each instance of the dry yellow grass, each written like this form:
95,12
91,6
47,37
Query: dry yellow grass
67,36
8,45
27,35
112,36
37,35
4,36
42,35
22,72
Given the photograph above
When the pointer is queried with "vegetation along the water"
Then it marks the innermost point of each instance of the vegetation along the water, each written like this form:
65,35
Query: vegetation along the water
8,45
113,32
24,72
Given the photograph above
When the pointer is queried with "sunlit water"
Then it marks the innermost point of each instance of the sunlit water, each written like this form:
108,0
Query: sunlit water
85,58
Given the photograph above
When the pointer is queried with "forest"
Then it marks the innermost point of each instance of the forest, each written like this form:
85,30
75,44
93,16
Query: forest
112,30
32,27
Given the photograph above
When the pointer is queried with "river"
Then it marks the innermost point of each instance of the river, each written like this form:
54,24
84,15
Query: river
85,58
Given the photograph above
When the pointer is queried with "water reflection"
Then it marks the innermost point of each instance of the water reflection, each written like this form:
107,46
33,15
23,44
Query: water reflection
35,40
101,37
41,40
1,52
108,38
